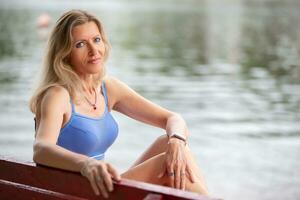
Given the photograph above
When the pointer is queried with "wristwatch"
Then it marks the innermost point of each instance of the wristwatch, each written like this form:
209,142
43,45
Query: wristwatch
178,136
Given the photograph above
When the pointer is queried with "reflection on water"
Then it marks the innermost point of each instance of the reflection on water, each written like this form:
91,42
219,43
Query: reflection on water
274,39
6,40
231,68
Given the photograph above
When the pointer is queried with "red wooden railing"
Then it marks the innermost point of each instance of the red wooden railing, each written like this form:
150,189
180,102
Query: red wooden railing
25,180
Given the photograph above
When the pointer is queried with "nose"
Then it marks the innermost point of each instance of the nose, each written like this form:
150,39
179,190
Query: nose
92,49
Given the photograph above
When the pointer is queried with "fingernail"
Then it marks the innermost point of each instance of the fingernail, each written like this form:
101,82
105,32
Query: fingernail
160,175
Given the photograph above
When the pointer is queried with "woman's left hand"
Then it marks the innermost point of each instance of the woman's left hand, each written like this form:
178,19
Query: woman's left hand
177,167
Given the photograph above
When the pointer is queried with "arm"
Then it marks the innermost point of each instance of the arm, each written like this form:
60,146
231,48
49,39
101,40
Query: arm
53,107
176,124
128,102
45,150
125,100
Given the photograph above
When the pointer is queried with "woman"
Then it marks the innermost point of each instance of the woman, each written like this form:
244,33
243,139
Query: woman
74,126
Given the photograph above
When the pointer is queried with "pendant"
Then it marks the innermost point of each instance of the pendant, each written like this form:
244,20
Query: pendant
95,107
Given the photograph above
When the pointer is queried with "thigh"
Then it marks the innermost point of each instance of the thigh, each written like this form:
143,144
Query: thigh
157,147
148,171
194,166
199,186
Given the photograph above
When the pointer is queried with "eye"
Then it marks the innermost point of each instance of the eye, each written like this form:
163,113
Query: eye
79,44
97,39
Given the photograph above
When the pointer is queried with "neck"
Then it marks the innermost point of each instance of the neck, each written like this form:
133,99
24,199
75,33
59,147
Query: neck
88,84
92,103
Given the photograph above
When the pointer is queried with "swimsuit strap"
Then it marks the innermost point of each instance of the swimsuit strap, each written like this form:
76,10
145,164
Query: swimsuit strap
72,105
104,92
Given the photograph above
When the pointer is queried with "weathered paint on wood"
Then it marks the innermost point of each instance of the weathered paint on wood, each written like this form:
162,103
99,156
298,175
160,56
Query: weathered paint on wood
25,180
10,190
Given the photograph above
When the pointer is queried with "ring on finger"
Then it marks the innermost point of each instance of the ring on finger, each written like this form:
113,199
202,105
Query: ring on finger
171,173
182,174
98,178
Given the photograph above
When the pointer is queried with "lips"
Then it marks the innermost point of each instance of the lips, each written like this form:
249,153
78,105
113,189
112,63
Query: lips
94,60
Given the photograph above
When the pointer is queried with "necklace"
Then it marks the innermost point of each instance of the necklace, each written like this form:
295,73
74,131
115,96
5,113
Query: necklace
92,104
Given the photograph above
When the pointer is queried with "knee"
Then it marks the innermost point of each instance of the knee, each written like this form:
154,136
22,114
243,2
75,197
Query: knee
198,187
163,139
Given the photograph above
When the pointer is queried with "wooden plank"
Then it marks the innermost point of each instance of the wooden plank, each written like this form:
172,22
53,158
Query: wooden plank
10,190
154,197
70,183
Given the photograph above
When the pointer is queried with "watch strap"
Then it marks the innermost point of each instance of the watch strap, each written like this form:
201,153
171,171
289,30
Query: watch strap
178,136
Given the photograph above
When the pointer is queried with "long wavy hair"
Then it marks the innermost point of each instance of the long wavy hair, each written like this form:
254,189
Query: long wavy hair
56,68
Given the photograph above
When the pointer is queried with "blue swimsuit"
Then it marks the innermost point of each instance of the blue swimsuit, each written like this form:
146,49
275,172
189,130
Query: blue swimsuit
87,135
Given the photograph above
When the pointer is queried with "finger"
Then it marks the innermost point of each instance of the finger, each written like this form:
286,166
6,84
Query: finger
171,177
101,186
116,176
99,182
187,175
107,181
93,183
191,174
177,178
183,180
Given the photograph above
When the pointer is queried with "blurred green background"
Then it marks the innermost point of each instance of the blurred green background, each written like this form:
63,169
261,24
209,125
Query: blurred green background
230,67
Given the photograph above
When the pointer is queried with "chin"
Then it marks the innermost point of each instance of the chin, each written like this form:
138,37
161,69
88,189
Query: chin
95,72
96,69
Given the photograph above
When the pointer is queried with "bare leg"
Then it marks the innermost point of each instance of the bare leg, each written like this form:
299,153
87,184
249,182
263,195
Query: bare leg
151,163
158,147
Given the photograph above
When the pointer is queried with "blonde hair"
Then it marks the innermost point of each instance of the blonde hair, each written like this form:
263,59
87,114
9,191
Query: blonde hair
56,69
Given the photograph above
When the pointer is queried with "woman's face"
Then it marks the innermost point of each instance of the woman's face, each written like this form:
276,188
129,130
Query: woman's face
87,55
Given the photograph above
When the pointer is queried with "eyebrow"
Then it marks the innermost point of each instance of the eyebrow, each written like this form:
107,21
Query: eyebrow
80,40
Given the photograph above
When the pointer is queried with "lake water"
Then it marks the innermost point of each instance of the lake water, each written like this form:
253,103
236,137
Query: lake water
230,67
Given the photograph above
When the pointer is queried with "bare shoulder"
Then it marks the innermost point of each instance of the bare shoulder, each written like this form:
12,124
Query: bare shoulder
115,86
53,108
115,89
111,81
55,96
